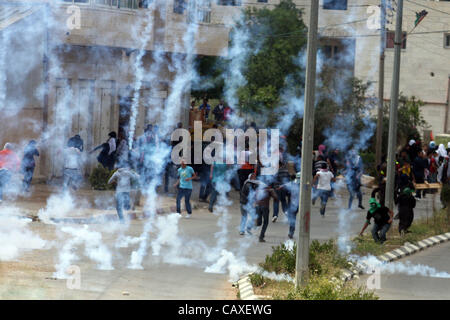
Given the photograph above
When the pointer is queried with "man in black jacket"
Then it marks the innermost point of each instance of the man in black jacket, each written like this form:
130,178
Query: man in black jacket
247,192
382,217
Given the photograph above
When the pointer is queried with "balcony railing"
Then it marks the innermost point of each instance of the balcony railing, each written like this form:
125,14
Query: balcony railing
120,4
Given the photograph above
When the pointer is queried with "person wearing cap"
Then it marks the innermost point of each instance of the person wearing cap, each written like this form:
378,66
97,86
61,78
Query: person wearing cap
406,203
382,217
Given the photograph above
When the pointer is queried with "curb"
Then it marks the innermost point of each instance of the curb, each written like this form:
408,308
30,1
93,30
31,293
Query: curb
246,289
406,250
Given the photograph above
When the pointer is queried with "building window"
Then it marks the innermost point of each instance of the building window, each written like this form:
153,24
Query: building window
229,2
76,1
144,3
447,40
199,11
335,4
390,39
179,6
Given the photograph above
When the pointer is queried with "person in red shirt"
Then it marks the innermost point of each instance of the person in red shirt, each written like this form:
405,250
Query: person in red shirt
9,164
227,111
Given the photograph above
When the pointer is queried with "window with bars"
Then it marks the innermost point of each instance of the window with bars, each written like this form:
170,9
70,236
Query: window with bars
335,4
199,11
129,4
229,2
447,40
390,40
179,6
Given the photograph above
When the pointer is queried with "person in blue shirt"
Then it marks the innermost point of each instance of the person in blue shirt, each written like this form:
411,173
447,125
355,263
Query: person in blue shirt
205,107
186,174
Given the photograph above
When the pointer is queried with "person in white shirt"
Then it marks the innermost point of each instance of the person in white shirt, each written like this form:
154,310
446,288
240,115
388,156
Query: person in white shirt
72,166
324,178
123,177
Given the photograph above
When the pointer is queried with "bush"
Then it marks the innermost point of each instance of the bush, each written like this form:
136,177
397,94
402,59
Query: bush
370,165
445,194
256,279
323,288
99,178
323,257
282,260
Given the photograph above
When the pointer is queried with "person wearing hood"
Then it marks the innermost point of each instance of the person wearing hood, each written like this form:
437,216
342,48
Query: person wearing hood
441,151
432,146
123,177
382,217
406,203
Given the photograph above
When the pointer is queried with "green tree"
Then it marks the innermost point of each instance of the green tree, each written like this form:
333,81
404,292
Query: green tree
277,36
410,121
280,35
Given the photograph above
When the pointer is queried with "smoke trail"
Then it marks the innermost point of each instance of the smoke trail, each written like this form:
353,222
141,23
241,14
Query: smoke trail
94,249
399,267
139,73
15,237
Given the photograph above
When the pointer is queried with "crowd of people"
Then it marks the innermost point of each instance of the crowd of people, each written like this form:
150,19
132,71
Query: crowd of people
135,166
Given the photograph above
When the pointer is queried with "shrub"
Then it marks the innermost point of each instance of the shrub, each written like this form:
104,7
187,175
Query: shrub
370,165
323,288
323,257
256,279
282,260
445,194
99,178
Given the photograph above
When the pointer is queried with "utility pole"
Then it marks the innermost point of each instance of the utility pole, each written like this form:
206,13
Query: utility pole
379,142
303,222
393,108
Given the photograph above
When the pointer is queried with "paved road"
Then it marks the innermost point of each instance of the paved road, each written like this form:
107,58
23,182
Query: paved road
415,287
30,277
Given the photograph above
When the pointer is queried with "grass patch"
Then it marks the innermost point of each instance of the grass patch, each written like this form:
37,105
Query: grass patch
325,264
420,229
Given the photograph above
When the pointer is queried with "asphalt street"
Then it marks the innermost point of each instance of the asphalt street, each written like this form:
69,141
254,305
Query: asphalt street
31,276
401,286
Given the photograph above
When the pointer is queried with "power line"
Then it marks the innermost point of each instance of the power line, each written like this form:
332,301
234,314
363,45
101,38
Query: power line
431,8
